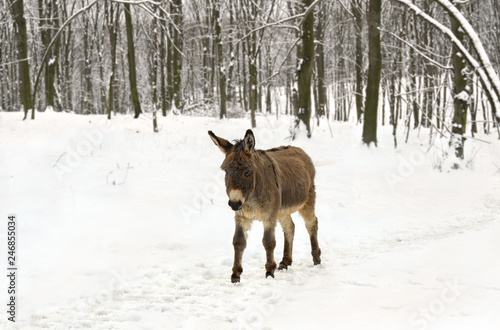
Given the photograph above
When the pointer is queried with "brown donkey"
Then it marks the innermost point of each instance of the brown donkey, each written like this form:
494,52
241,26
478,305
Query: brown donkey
268,185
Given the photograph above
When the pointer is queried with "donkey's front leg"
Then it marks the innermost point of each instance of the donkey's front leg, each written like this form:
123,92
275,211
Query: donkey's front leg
239,243
269,242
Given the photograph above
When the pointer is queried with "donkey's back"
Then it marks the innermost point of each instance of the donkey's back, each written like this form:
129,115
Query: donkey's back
295,172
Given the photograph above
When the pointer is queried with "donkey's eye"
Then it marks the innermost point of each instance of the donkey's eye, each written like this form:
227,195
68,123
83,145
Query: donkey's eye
247,173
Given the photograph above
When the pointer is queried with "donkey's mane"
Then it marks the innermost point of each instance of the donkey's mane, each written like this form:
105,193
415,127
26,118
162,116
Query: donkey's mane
238,145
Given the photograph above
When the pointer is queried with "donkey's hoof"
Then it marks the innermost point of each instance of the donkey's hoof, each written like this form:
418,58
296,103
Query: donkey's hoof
282,267
269,274
235,279
317,262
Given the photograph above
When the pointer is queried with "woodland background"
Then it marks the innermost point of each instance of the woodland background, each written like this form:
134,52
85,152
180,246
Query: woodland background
128,228
368,60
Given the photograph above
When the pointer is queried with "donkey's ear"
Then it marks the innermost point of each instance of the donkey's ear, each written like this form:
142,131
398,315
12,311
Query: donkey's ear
249,141
224,145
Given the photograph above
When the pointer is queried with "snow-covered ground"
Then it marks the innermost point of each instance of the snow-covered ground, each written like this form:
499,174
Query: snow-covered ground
123,228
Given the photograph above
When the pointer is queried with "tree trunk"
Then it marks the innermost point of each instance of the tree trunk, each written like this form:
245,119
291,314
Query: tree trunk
426,113
252,70
473,108
48,13
112,23
229,81
169,64
243,90
460,94
374,70
154,67
17,9
259,78
321,103
67,55
220,59
87,97
252,82
163,59
176,13
357,10
205,41
100,37
304,69
269,70
131,62
2,74
413,77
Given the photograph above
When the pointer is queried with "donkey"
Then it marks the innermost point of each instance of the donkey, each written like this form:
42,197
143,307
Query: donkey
268,185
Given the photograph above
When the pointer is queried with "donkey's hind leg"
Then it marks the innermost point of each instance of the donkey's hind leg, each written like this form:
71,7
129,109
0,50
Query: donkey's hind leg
289,230
307,212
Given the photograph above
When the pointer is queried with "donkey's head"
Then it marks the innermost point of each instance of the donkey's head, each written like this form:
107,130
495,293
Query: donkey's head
239,167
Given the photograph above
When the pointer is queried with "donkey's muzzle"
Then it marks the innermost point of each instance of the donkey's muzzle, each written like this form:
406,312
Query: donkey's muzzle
236,206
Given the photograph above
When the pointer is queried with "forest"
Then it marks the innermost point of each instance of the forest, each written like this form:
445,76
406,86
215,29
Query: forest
412,64
122,210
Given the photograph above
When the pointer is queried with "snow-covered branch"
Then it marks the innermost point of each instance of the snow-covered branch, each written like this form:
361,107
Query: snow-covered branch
476,43
484,68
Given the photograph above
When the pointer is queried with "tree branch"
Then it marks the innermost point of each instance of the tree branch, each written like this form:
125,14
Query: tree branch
418,51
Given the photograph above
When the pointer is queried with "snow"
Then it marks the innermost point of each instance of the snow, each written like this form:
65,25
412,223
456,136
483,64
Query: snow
123,228
299,64
463,96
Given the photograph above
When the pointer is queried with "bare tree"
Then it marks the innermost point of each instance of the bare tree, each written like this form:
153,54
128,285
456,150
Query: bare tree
49,23
321,104
483,66
461,93
305,67
357,9
112,15
131,62
17,9
374,70
220,60
244,53
177,36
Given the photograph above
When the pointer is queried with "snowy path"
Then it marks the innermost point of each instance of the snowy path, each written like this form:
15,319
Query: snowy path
379,280
137,233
